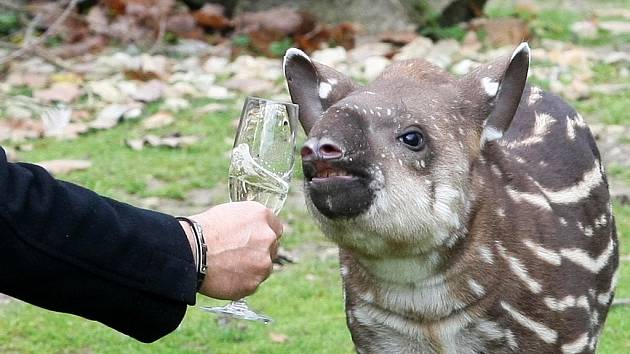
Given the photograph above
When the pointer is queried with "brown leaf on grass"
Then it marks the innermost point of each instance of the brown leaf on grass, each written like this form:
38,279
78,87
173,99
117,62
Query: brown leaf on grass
184,26
278,337
282,20
61,91
398,38
212,16
17,130
158,120
342,34
140,75
503,31
173,141
62,167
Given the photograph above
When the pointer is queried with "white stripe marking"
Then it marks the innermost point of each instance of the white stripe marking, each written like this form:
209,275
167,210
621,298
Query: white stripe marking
576,193
517,267
535,199
545,333
486,254
581,257
542,253
576,346
476,288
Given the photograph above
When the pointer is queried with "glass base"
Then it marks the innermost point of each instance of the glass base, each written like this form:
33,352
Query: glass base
238,309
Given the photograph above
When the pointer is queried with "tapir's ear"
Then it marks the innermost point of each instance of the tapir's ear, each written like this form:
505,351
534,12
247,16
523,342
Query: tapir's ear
313,86
498,88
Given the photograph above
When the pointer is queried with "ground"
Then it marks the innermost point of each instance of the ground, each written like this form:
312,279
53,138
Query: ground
304,298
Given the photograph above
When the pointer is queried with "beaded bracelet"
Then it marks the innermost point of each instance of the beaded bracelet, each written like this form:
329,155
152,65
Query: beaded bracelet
201,249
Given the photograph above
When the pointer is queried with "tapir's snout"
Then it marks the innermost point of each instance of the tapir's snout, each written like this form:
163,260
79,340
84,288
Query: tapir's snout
337,179
321,149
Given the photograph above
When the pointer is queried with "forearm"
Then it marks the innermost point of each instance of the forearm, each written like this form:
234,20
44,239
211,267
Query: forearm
113,244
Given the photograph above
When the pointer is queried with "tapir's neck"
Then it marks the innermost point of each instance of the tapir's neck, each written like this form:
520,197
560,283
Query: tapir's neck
403,271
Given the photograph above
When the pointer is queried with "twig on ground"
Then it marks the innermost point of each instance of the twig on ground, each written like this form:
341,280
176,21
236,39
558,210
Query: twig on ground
621,302
42,53
52,30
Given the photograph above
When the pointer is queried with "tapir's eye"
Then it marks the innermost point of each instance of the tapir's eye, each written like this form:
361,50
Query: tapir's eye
413,139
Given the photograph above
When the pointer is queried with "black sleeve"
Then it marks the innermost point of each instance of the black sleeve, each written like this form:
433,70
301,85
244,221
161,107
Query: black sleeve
67,249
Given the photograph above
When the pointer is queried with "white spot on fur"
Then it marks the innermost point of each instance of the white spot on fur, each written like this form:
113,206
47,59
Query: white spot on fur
324,90
517,267
545,333
570,129
541,128
601,221
486,254
344,270
534,95
500,212
542,253
563,221
567,302
582,258
511,340
491,87
389,112
588,231
476,288
577,346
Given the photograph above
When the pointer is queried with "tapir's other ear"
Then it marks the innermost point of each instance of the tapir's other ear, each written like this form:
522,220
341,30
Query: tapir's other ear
313,86
498,88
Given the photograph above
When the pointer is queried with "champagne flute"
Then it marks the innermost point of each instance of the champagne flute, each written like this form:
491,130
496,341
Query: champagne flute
262,163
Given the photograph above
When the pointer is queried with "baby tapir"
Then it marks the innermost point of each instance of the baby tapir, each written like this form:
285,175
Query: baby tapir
472,213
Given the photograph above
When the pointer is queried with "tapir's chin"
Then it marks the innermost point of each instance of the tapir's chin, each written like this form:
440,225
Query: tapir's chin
337,190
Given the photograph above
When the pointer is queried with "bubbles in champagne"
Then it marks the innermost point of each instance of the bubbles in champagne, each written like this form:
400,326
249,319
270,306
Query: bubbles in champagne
249,180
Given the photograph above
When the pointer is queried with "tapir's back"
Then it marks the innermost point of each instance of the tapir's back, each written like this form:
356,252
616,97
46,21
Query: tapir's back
558,235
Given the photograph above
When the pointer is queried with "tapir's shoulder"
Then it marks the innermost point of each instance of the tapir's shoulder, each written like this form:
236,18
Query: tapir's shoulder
549,141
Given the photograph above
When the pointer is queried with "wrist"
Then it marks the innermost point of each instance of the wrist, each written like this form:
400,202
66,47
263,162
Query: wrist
191,240
199,249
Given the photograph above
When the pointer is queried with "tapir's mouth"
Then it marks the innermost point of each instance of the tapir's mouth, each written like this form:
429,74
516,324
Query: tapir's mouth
338,189
322,172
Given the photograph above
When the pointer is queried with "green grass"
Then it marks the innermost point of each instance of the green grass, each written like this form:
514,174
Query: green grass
304,298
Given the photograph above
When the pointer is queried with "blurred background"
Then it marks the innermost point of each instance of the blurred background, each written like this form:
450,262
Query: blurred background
139,100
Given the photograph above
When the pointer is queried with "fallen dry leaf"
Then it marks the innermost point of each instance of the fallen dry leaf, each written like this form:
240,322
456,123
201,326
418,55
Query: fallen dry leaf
110,116
61,167
149,92
278,337
60,91
158,120
173,141
212,16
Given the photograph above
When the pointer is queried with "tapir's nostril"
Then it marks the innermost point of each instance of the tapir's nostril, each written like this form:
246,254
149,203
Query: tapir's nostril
324,149
307,153
330,151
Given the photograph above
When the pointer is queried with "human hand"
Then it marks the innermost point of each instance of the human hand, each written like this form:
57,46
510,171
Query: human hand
242,239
